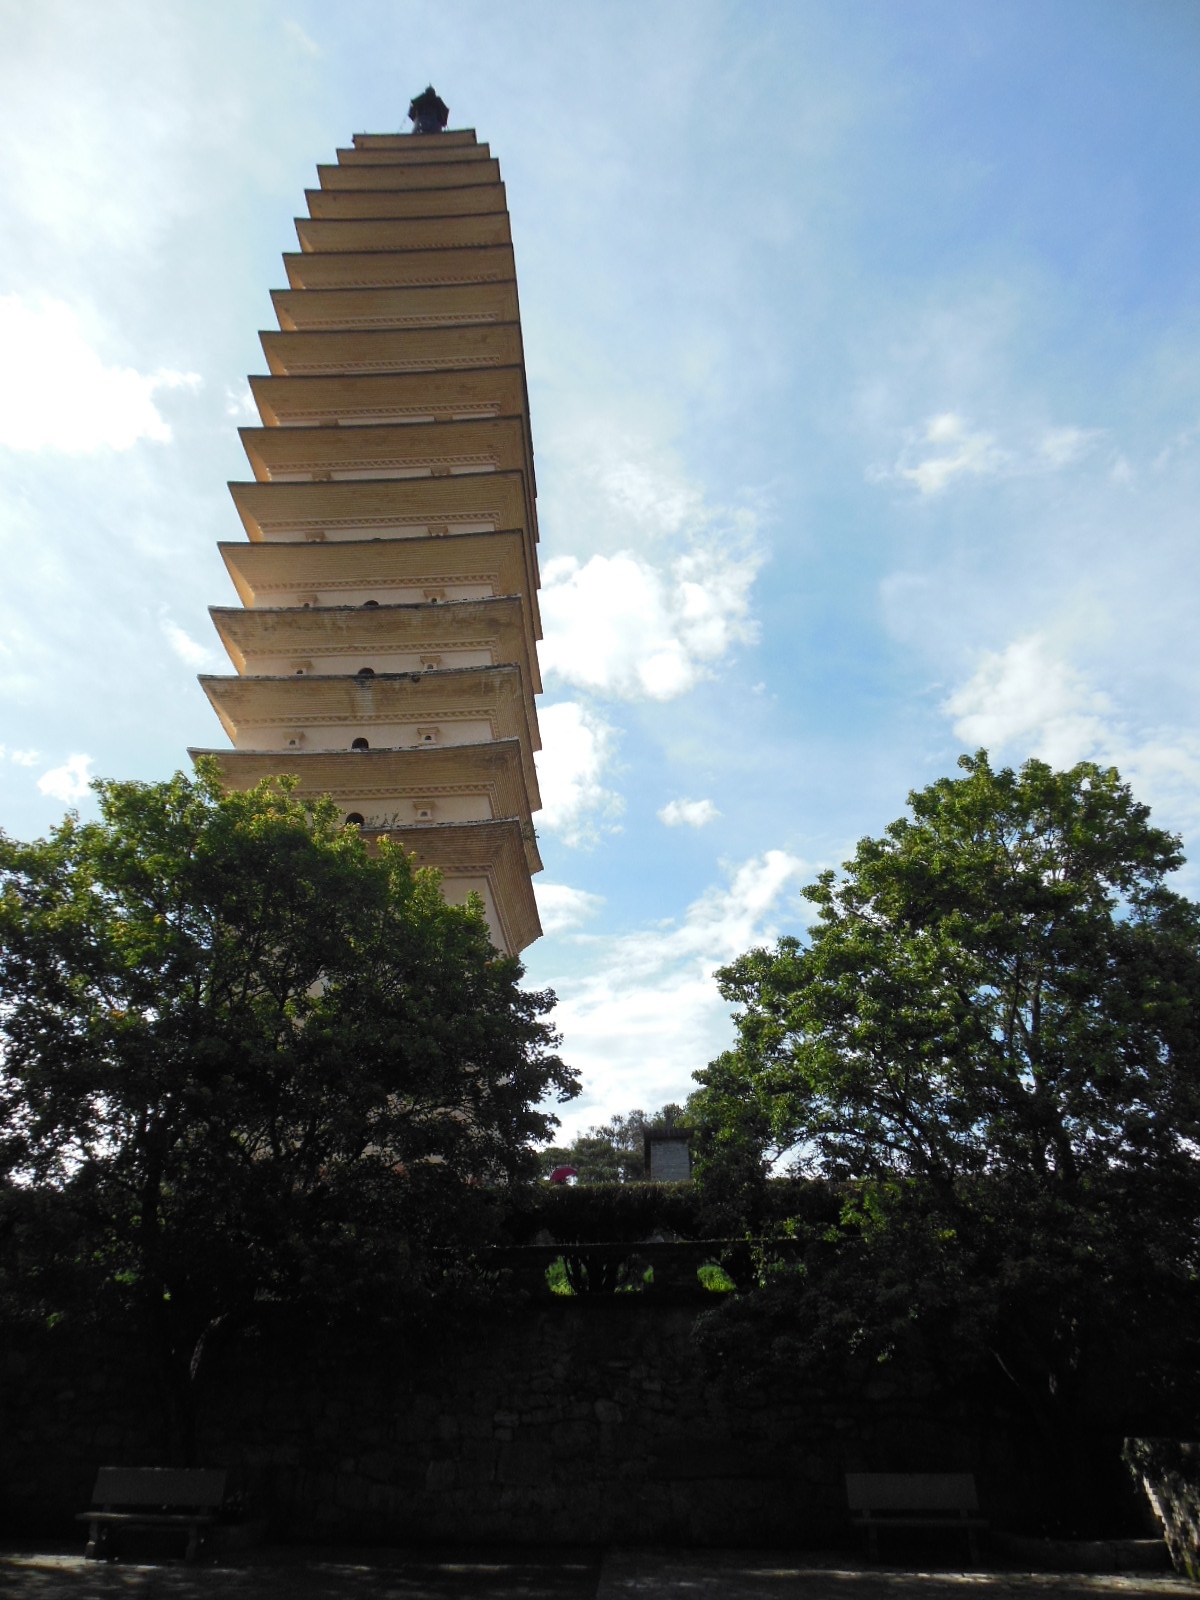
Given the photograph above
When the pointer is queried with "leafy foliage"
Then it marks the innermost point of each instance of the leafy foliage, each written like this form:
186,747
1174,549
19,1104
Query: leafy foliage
258,1063
988,1042
1002,983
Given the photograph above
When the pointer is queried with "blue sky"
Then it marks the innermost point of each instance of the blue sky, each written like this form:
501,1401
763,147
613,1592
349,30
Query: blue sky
863,345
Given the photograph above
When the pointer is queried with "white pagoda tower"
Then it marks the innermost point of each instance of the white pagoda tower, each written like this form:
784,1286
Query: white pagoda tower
386,645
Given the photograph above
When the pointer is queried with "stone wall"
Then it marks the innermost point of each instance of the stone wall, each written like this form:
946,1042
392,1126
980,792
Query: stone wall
564,1421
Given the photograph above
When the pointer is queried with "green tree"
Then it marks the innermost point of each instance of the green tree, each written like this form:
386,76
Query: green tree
989,1039
1003,983
256,1063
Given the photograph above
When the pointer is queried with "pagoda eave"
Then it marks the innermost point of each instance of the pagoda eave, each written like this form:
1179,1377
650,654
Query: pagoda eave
394,269
460,200
356,572
372,781
406,449
416,153
358,634
339,310
396,176
380,399
405,508
460,850
345,352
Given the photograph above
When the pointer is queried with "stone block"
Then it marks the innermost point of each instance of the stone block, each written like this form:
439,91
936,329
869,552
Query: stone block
441,1474
379,1465
524,1462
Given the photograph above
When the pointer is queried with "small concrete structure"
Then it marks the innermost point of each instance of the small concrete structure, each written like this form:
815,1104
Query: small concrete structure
668,1152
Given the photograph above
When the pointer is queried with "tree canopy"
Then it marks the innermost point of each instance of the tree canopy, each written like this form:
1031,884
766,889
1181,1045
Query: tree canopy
1003,982
259,1063
988,1043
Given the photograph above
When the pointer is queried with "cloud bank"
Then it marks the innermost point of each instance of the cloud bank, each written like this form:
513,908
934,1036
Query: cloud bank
57,392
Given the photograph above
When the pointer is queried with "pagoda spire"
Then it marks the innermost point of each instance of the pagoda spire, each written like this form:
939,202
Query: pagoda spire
428,113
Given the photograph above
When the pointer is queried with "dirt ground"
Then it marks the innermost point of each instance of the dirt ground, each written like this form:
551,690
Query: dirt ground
277,1574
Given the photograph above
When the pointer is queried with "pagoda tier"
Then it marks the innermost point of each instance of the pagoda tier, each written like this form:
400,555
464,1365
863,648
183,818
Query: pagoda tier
397,178
370,711
381,508
386,652
406,638
393,269
418,154
402,788
370,400
372,572
315,455
406,144
318,234
320,310
489,858
465,200
351,350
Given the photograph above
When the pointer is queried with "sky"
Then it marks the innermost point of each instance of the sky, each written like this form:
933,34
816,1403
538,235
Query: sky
863,347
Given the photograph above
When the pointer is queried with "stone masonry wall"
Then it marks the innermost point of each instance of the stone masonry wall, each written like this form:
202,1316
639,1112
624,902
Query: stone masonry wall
568,1421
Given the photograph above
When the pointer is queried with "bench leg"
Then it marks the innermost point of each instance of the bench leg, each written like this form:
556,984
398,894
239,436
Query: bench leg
973,1545
99,1545
193,1542
873,1541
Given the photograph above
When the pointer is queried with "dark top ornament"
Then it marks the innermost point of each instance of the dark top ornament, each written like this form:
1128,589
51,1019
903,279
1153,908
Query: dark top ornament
428,113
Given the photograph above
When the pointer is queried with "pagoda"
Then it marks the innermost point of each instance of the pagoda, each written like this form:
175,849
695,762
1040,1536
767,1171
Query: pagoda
386,643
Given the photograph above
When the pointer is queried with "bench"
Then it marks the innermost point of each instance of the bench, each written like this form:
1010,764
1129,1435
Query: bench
152,1497
914,1500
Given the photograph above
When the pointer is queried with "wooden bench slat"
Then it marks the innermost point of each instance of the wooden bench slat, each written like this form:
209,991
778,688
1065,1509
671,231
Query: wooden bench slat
911,1491
177,1519
159,1486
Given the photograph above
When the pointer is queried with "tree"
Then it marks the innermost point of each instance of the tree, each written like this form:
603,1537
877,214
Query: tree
990,1039
1003,983
260,1064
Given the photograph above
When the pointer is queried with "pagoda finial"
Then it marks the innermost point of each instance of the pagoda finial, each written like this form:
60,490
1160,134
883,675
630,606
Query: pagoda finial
428,113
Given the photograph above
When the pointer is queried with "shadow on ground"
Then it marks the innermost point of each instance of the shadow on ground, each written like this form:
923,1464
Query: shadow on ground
276,1574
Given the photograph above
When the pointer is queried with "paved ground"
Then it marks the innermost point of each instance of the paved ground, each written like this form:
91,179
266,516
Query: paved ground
617,1575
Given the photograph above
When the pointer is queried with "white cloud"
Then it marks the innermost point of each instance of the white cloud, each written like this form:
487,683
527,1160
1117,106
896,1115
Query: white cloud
960,453
688,813
1027,700
68,782
618,625
561,907
301,39
646,1012
1061,447
641,491
57,393
25,758
947,449
240,404
189,650
577,745
1028,695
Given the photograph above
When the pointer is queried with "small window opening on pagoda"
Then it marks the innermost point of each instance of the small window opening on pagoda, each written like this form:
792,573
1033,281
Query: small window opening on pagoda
359,744
365,672
354,819
367,604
